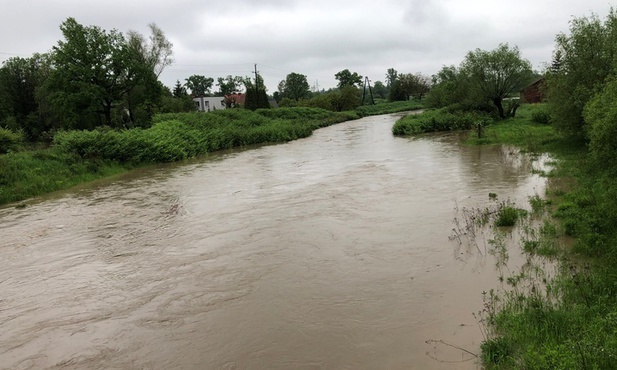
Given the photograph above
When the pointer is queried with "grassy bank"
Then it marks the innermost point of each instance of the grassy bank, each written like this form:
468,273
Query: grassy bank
568,321
537,321
437,120
389,107
80,156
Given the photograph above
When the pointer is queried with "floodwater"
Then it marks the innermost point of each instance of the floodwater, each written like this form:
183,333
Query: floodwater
330,252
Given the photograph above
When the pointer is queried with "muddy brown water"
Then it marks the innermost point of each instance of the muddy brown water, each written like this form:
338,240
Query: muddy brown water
330,252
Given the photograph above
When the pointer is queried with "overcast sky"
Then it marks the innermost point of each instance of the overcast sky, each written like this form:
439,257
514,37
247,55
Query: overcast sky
316,38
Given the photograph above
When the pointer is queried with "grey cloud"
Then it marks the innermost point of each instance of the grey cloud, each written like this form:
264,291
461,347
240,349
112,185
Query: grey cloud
316,38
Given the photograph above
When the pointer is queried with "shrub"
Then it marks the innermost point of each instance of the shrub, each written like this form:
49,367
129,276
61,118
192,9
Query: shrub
506,216
601,120
436,120
10,141
541,116
177,136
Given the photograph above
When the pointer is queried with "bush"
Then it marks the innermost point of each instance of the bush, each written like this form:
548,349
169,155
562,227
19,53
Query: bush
436,120
601,120
178,136
10,141
541,116
389,107
507,216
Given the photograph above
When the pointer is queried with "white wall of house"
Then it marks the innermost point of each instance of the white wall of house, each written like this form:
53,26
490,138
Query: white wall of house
209,103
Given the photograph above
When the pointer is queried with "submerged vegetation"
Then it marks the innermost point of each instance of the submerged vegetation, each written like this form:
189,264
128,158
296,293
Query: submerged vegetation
565,319
539,321
436,120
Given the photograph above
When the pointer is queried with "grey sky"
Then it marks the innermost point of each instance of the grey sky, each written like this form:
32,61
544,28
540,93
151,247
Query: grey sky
314,37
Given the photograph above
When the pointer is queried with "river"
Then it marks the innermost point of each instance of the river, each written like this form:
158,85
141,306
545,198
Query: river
330,252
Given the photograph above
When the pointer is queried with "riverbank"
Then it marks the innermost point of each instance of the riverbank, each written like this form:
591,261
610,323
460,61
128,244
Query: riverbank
332,249
537,320
76,157
566,321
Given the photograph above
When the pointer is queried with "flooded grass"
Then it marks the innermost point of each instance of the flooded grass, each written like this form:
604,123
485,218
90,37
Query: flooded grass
27,174
564,320
435,120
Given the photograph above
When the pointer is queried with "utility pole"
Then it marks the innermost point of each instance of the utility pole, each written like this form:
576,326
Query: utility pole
256,81
367,82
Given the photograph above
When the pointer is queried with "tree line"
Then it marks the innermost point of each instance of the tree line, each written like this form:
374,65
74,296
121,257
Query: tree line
580,85
294,90
90,78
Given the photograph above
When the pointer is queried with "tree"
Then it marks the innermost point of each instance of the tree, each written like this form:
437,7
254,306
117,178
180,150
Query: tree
403,87
296,86
380,90
407,85
346,78
256,96
176,101
451,86
179,90
230,85
199,85
281,88
391,76
89,74
423,85
145,61
583,60
497,73
600,115
347,98
156,52
21,80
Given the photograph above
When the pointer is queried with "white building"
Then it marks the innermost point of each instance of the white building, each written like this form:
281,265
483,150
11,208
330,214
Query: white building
209,103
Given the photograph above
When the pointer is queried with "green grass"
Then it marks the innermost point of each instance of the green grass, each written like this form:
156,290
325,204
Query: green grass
436,120
565,321
520,131
82,156
507,216
389,107
27,174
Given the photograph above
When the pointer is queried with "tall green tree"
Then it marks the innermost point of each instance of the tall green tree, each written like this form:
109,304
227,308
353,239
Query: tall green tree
146,59
451,85
391,76
230,85
179,90
347,78
407,85
199,85
155,52
600,115
582,62
296,86
380,90
346,98
21,80
89,74
176,101
256,96
498,73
